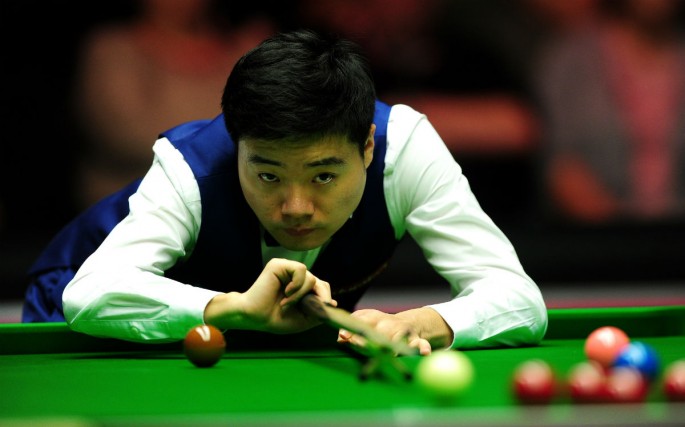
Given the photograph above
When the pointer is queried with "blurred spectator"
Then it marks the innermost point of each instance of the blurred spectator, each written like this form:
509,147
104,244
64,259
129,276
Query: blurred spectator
165,66
556,17
613,101
439,57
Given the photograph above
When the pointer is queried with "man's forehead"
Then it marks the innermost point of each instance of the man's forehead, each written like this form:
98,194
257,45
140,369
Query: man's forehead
315,162
296,141
321,152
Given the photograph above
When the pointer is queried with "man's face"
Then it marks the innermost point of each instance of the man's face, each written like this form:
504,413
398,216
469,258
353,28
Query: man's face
302,193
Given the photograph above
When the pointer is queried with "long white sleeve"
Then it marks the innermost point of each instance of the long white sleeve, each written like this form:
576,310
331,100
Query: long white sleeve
120,291
496,302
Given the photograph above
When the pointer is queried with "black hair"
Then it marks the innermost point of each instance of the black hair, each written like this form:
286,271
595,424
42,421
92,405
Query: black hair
300,86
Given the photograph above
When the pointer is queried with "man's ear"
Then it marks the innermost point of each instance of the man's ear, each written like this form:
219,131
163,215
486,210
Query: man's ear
369,145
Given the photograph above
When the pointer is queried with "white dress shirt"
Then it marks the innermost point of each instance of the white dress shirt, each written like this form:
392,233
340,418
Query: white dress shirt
121,292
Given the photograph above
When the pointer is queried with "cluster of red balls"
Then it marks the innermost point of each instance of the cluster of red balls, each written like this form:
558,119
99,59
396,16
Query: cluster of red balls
615,370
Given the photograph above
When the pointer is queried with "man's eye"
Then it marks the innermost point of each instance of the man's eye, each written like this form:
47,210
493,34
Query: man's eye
324,178
267,177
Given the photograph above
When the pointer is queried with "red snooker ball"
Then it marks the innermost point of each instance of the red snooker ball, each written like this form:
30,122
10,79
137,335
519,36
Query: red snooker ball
534,382
204,345
604,344
626,384
674,381
587,382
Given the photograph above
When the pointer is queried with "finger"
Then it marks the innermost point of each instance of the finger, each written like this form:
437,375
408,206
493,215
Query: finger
353,340
322,289
298,276
422,345
344,336
295,293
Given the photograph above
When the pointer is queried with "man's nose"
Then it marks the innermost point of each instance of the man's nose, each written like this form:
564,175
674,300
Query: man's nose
297,202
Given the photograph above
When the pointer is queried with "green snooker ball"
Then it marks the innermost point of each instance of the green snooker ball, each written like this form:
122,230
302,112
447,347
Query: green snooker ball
445,374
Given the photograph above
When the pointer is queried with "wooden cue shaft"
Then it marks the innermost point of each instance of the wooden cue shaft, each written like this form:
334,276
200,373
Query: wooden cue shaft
342,319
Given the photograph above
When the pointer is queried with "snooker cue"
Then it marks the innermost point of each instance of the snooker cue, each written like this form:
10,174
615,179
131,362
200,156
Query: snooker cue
342,319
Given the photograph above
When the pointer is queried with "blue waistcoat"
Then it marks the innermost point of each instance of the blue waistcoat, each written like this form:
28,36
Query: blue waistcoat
227,255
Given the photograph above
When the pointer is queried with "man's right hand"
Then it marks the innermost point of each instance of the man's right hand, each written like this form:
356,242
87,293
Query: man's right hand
270,303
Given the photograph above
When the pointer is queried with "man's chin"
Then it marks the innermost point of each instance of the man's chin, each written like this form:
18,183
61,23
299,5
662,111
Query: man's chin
299,246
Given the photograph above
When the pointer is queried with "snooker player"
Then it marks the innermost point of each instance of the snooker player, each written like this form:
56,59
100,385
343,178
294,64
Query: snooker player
304,184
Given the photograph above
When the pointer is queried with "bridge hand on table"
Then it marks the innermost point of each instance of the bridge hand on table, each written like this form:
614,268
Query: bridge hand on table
379,350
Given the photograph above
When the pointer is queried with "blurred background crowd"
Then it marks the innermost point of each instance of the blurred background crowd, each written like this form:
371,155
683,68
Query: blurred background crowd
567,117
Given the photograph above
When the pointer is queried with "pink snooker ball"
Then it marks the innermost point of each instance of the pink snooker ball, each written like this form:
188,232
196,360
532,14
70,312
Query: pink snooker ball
604,344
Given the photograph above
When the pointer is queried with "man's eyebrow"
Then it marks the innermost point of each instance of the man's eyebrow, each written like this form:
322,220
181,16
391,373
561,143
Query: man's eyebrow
255,158
327,161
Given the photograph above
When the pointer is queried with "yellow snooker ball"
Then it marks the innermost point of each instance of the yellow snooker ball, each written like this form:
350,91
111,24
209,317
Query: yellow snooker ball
445,374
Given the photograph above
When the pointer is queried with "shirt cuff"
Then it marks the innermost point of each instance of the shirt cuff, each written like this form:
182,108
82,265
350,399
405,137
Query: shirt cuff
505,325
190,310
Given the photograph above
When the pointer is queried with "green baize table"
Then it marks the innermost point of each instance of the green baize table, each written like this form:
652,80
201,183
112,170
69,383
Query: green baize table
50,375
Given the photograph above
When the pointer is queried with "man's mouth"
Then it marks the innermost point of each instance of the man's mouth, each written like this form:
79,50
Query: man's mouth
298,232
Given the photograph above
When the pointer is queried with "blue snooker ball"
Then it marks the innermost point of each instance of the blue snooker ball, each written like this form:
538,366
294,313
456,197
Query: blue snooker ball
640,356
